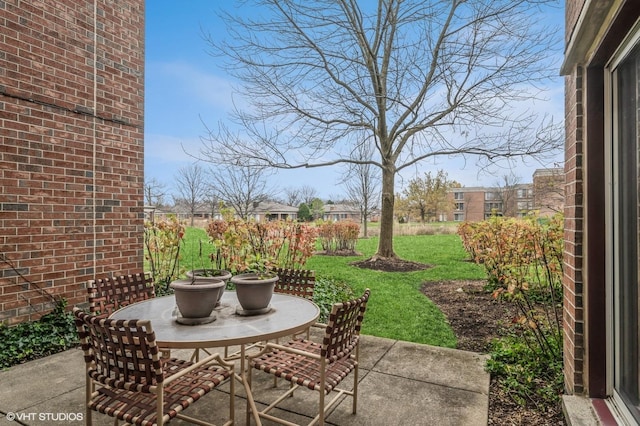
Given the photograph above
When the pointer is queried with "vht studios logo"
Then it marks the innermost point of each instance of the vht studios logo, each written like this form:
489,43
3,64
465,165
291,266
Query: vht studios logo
45,417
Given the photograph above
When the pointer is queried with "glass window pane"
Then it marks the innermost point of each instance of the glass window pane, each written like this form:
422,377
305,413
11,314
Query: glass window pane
626,284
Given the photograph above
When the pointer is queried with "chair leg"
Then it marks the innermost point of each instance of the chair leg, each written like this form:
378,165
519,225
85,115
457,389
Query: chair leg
248,378
354,397
160,406
195,356
322,392
88,392
232,396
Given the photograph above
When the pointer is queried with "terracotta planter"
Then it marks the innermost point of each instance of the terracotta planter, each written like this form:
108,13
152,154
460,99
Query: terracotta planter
197,298
214,274
254,291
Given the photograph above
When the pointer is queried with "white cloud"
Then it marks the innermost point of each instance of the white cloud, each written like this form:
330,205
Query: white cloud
169,148
196,84
187,81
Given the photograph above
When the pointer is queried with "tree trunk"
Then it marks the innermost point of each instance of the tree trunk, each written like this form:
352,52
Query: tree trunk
365,226
385,244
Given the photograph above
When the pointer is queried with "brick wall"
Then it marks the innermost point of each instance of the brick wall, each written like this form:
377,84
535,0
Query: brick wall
573,233
71,150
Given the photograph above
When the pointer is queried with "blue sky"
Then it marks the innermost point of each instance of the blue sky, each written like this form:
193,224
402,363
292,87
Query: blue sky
185,87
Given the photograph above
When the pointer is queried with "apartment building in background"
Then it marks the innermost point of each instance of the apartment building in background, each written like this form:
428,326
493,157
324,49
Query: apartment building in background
544,195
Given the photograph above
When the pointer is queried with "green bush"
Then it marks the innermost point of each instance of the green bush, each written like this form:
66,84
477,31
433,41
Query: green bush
328,291
523,260
53,333
525,371
162,244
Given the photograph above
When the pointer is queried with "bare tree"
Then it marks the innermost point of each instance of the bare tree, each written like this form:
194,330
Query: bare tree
304,194
191,185
241,188
508,189
308,194
362,184
154,192
292,196
421,78
548,190
211,200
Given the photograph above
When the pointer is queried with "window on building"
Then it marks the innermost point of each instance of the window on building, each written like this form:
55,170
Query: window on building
459,206
494,206
458,217
525,205
458,195
625,236
491,196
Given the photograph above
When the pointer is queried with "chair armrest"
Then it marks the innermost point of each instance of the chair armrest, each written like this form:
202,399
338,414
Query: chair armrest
269,347
208,360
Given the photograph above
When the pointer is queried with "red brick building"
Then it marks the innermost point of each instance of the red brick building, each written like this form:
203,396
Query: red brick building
602,235
545,196
468,204
71,148
548,191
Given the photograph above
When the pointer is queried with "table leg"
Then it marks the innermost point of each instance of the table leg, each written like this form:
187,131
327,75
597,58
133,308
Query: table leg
251,405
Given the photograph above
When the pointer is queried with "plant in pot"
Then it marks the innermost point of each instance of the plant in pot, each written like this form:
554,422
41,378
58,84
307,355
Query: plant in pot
197,295
212,268
254,288
251,250
196,298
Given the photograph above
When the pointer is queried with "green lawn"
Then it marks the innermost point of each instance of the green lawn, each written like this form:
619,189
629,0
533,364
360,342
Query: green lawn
397,309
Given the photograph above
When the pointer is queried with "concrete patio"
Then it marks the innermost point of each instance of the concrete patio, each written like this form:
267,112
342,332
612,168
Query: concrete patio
401,383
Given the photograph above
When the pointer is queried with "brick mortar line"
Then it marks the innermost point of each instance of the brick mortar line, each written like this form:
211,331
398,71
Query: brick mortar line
62,108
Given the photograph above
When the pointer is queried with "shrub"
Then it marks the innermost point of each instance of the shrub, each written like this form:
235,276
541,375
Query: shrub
162,242
523,261
52,333
338,236
241,245
528,375
328,291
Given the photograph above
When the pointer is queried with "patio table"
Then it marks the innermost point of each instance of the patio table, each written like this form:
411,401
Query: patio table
288,315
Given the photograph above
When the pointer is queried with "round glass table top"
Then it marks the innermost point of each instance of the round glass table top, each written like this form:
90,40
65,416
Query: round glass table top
288,315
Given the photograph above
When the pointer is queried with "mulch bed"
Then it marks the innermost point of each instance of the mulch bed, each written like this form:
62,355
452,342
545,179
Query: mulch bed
476,318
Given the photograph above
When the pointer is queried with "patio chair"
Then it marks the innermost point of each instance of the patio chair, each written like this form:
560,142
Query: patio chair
319,367
297,282
109,294
126,378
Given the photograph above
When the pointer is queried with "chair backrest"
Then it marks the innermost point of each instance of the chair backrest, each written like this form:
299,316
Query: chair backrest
343,328
109,294
121,354
297,282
